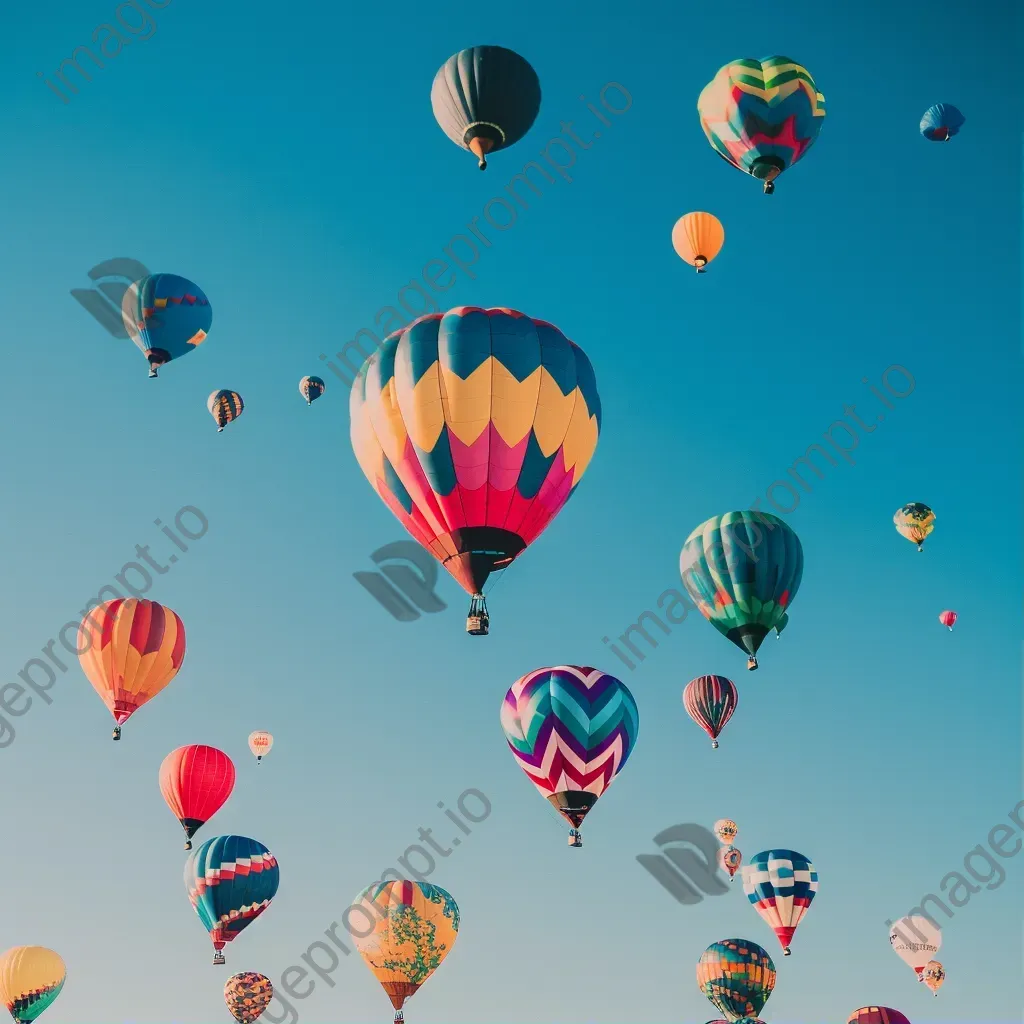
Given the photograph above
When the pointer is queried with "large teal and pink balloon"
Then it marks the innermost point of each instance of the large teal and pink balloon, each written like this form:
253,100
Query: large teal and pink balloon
571,729
762,116
230,881
941,122
166,316
743,570
781,885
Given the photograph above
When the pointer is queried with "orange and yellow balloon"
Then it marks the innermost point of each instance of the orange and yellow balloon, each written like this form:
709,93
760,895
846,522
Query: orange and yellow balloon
415,927
31,978
933,974
697,239
130,649
247,995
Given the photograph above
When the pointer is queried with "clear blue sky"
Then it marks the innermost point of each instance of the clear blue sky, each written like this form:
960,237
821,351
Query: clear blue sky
287,160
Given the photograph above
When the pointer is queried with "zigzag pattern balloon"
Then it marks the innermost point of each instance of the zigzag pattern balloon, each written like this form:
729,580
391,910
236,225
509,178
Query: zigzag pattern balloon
571,729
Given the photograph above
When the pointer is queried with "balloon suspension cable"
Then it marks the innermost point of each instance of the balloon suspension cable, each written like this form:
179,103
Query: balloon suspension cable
117,732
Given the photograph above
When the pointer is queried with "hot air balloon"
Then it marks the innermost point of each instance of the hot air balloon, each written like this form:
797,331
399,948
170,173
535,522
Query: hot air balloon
31,978
230,881
697,239
311,388
914,521
710,701
933,975
730,859
247,995
415,926
743,570
260,743
780,884
224,407
475,427
166,316
941,122
916,941
737,976
196,781
780,626
571,729
947,619
131,649
485,98
877,1015
761,116
726,830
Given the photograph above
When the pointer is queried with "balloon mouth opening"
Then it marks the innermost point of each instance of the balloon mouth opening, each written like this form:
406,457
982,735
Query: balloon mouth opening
700,262
573,806
767,168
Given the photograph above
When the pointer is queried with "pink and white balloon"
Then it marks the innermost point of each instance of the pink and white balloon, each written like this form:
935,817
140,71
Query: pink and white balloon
947,618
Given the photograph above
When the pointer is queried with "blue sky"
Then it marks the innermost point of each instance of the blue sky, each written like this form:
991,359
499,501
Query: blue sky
291,166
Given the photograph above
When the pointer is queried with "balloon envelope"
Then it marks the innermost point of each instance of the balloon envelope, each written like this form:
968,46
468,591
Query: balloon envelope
31,978
726,829
247,995
781,885
916,941
698,238
311,388
166,316
933,975
877,1015
941,122
260,743
710,701
415,926
737,976
224,407
195,782
914,521
485,98
947,618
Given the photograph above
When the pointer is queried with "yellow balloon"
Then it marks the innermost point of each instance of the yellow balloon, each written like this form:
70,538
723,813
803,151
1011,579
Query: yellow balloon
697,239
31,978
914,521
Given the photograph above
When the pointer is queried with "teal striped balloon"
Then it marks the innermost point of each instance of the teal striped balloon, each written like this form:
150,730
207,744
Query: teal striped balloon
743,570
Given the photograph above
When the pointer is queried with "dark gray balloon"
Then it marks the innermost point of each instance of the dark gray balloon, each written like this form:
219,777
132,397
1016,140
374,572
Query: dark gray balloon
485,98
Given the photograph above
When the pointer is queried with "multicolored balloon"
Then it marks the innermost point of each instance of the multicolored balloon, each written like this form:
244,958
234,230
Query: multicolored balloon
933,974
415,926
737,976
941,122
571,729
247,995
311,388
131,649
224,407
726,830
914,521
710,701
475,427
947,619
697,239
877,1015
260,743
166,316
743,570
31,978
762,116
781,885
730,860
230,881
196,781
485,98
916,941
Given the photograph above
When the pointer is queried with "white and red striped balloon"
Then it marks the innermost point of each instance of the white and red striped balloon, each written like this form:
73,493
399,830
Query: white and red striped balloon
947,618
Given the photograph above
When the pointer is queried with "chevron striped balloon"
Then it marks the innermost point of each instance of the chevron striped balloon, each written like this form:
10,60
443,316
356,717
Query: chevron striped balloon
571,729
780,884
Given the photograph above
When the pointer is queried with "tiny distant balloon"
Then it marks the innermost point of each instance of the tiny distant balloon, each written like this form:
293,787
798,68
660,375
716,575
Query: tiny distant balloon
726,829
877,1015
697,239
31,978
247,995
260,743
710,701
941,122
947,619
730,858
933,975
914,521
311,388
166,316
916,941
224,407
485,98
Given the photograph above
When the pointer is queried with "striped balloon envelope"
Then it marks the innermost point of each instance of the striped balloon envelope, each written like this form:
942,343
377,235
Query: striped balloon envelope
571,729
710,701
31,978
781,885
224,407
877,1015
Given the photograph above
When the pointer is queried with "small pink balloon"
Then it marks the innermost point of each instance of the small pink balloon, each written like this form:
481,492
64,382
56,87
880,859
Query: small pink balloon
947,618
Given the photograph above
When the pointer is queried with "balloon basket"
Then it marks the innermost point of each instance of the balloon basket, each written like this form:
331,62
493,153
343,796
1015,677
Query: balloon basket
575,839
218,959
751,664
117,733
714,744
787,951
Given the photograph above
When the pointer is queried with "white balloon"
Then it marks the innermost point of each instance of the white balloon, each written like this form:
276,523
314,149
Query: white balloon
916,941
260,743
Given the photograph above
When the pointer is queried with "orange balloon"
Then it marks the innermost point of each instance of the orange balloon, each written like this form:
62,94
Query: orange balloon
697,239
131,649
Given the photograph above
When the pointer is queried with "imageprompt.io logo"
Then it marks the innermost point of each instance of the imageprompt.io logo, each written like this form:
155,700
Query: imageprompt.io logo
680,870
400,589
103,302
